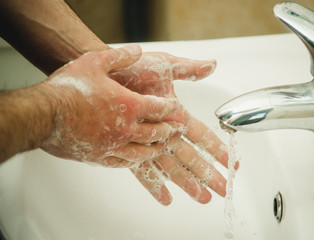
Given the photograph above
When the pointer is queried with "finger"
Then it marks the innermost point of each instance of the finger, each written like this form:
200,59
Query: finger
183,178
157,109
202,169
114,162
205,138
148,132
115,59
135,152
152,180
186,69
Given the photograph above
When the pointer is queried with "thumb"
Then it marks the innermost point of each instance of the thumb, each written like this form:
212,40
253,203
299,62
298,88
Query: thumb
123,57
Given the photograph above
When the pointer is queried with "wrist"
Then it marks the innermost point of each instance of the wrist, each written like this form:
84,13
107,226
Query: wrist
26,119
40,108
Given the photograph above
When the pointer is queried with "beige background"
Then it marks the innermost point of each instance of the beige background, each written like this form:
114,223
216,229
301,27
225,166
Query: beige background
185,19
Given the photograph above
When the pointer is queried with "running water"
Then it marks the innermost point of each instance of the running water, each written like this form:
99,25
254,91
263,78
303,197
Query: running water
229,212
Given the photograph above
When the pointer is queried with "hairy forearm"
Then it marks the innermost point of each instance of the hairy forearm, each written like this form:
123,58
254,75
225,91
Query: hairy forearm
47,33
26,119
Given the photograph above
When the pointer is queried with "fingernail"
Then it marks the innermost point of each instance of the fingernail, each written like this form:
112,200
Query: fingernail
204,197
165,197
209,66
134,49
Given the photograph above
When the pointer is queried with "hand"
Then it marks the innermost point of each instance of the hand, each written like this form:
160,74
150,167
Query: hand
100,121
184,166
153,74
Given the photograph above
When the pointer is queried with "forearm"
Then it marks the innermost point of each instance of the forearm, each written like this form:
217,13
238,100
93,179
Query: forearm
26,119
47,33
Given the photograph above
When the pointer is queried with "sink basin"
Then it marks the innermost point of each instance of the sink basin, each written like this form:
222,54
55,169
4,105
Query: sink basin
44,197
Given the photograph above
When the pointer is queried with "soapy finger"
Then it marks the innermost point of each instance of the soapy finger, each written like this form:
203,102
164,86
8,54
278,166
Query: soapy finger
205,138
183,178
135,152
186,69
151,178
148,132
158,109
201,168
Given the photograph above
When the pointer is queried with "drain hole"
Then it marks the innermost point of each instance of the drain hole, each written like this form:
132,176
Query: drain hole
278,207
275,207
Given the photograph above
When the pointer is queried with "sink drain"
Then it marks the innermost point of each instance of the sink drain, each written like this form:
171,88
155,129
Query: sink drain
278,207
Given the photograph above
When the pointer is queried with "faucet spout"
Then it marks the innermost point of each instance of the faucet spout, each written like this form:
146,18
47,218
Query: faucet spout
280,107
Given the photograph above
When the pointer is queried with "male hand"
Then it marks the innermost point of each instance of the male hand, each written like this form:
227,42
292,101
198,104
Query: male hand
98,120
153,74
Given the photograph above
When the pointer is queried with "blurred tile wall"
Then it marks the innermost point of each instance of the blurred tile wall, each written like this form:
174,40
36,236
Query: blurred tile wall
154,20
202,19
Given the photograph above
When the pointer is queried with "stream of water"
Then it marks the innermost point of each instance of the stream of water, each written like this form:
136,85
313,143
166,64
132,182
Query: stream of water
229,212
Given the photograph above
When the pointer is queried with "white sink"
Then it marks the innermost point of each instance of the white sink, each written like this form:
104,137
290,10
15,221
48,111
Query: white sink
43,197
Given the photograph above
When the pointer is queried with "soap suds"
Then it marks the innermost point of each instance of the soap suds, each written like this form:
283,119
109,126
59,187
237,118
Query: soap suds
154,132
179,69
120,123
64,80
151,174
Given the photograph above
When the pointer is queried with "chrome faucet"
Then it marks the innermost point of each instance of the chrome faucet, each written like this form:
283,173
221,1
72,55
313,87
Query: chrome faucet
281,107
